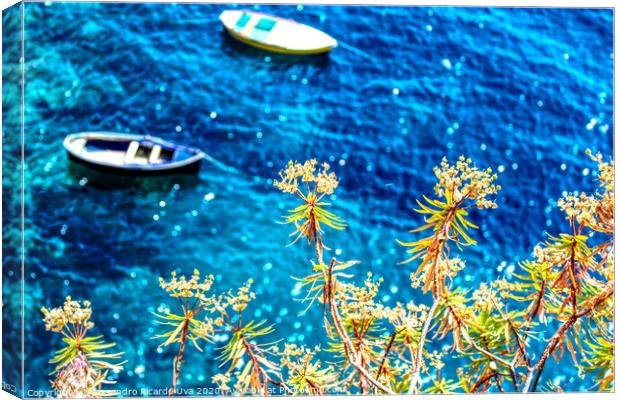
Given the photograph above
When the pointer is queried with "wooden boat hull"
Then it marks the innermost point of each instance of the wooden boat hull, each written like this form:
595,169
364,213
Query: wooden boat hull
191,168
281,36
111,154
266,47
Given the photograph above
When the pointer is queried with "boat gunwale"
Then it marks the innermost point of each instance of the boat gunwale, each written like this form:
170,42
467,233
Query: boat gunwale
122,137
262,14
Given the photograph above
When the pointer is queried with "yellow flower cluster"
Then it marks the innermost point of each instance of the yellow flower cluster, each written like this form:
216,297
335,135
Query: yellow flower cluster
595,211
465,181
204,329
182,287
487,297
548,255
503,288
324,181
409,317
237,302
605,171
606,200
71,313
293,356
358,303
582,208
417,280
222,381
435,359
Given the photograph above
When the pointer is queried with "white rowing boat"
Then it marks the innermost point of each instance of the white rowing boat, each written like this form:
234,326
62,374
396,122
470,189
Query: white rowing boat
276,34
131,154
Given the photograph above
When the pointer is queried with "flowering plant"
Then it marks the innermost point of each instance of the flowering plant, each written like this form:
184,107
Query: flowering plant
83,364
502,333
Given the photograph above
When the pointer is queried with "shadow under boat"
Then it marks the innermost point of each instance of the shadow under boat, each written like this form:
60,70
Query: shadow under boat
232,45
97,178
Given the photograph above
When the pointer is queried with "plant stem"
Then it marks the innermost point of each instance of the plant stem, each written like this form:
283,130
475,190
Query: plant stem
415,378
436,249
346,341
520,342
484,380
179,357
559,335
261,371
318,246
573,288
387,350
530,318
472,343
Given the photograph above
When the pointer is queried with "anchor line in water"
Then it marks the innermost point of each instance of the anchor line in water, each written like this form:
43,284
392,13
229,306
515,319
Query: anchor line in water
355,50
221,165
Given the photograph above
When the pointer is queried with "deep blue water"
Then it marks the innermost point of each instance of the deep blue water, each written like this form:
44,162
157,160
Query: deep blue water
525,91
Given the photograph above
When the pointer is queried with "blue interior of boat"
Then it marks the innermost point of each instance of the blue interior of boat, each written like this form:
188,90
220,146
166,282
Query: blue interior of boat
242,21
180,154
166,154
265,24
97,144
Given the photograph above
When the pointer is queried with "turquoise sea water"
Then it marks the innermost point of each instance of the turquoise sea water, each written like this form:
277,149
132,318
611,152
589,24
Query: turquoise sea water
524,91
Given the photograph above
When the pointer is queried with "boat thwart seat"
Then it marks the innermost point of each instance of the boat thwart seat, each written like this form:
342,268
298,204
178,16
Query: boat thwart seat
131,152
155,153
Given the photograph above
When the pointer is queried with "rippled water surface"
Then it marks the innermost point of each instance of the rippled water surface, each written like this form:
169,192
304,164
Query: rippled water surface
524,91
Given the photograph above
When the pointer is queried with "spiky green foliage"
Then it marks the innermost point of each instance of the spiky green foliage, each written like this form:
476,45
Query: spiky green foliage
305,375
308,218
249,358
315,183
461,187
598,359
84,363
185,326
251,363
250,369
94,350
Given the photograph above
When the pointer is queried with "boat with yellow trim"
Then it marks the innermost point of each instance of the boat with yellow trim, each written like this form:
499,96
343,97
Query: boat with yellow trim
271,33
